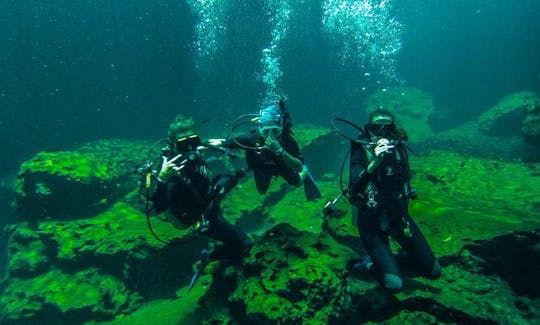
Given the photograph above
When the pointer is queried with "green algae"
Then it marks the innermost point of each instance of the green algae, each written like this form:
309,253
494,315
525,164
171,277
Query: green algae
307,134
83,292
28,259
297,278
77,183
121,229
462,199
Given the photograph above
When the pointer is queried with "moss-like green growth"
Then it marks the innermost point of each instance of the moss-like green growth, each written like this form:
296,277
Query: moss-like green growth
120,230
99,268
73,165
507,116
75,184
290,276
83,295
306,134
463,197
28,256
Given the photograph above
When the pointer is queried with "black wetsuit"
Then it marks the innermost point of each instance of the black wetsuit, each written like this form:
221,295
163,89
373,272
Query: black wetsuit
380,207
190,195
264,163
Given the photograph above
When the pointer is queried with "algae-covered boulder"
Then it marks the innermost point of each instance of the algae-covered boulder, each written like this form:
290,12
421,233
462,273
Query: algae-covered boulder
469,291
531,125
517,114
290,277
64,298
412,108
133,265
510,130
28,255
102,268
76,184
118,241
469,139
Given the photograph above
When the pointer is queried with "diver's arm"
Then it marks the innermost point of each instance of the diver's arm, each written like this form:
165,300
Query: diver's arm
291,161
359,175
160,197
233,143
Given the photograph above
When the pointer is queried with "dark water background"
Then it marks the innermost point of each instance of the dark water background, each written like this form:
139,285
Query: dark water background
73,71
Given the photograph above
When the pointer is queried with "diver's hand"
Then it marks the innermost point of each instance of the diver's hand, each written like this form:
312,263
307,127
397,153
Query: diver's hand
274,146
169,168
383,147
216,142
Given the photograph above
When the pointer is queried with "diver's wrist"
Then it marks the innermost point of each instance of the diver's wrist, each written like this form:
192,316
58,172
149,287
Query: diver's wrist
280,152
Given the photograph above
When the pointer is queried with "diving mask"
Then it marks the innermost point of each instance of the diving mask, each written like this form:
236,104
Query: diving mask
270,121
188,143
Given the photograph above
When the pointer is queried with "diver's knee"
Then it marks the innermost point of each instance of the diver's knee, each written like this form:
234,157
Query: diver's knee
392,282
436,271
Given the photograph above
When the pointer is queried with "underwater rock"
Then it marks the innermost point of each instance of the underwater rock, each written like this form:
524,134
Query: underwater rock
467,293
412,108
468,139
64,298
510,130
514,257
28,255
291,277
296,272
514,115
75,184
117,242
531,125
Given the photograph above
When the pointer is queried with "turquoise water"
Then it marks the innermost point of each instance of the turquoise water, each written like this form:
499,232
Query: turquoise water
73,71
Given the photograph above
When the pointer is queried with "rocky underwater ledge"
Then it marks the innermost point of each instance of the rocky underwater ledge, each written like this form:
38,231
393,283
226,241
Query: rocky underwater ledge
82,252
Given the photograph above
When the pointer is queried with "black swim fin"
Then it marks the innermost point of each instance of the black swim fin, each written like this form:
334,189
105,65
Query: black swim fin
311,190
204,261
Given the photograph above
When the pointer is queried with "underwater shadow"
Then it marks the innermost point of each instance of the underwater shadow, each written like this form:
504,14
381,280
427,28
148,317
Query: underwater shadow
513,257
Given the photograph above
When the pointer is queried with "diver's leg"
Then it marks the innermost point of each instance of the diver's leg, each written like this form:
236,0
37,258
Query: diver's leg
376,243
291,177
235,242
262,181
414,243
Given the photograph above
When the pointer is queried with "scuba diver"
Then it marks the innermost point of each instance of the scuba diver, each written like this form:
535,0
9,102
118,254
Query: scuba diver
186,190
271,151
379,191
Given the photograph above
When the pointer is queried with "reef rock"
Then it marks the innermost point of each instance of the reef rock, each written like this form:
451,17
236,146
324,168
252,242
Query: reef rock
63,298
478,215
290,277
531,125
515,115
93,268
76,184
469,139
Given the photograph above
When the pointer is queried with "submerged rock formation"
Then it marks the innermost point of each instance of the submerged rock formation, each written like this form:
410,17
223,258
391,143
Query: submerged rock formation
480,216
76,184
510,130
513,115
